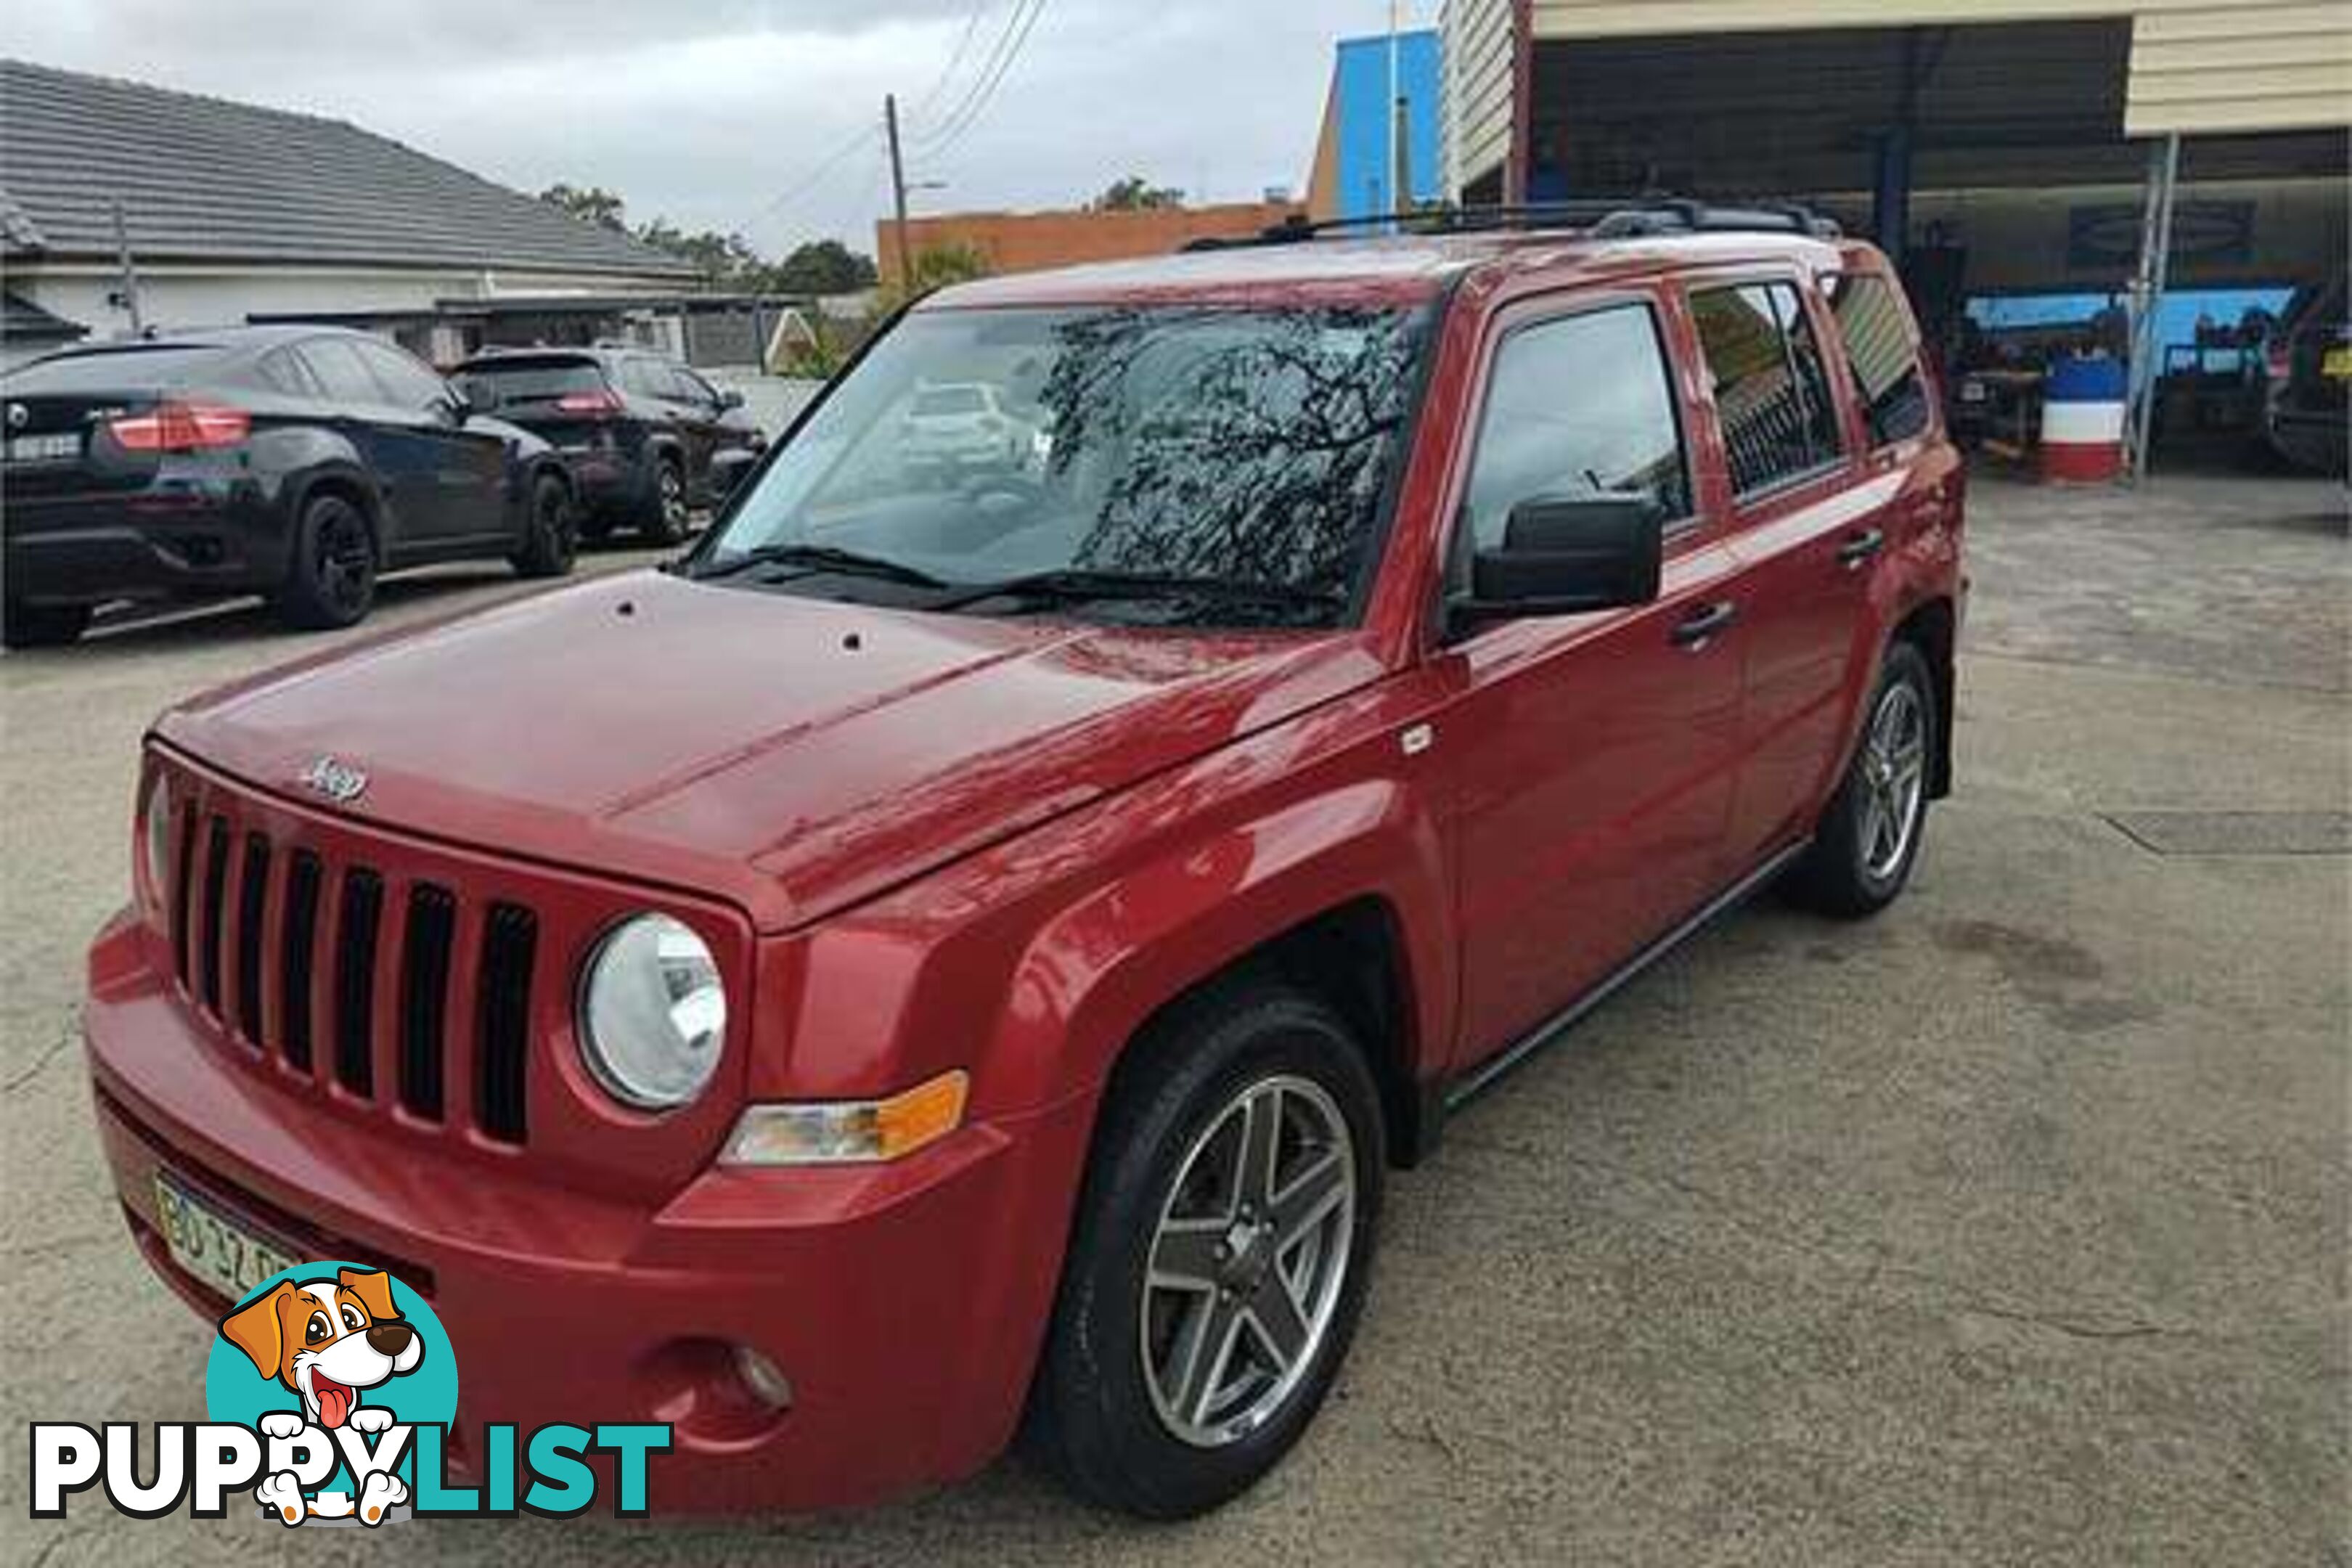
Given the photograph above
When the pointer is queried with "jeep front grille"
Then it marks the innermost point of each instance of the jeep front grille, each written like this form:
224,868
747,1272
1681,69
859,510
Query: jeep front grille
287,939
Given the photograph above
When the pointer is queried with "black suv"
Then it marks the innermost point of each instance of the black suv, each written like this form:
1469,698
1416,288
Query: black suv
295,461
638,430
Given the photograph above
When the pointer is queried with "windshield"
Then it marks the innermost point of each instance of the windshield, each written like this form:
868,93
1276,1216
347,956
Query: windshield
1243,447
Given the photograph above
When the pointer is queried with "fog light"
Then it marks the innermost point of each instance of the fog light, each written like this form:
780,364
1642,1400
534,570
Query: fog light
770,1386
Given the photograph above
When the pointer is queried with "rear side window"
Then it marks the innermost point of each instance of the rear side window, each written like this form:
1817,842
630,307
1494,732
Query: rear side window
337,367
282,369
1581,405
1883,356
1770,389
406,384
645,378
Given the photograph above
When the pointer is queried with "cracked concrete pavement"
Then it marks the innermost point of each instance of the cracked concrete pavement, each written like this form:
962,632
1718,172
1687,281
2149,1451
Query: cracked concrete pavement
2007,1229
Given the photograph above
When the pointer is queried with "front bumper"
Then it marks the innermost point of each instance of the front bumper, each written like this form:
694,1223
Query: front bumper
905,1303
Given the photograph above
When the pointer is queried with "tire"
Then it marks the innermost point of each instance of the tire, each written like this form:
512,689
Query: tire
550,529
42,626
664,520
1112,1413
1869,837
330,581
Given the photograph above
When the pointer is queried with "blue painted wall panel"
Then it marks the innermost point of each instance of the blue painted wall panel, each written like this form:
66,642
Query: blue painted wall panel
1363,119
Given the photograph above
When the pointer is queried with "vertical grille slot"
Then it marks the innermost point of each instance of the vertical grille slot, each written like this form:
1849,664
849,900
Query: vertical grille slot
183,865
425,996
252,896
208,974
355,981
297,935
510,944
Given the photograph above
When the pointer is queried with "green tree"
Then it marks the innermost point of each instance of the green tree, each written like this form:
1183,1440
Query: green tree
935,266
1132,195
821,266
591,204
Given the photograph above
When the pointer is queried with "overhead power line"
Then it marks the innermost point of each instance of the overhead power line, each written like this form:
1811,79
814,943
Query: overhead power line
955,58
975,104
815,175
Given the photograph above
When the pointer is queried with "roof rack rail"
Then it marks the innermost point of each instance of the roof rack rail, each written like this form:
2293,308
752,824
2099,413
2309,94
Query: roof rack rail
1604,218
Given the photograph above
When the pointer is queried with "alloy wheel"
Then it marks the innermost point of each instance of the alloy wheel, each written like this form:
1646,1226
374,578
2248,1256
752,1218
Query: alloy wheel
1248,1260
344,561
1893,776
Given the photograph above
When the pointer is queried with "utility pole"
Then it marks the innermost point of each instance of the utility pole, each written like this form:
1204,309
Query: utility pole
897,189
128,295
1396,200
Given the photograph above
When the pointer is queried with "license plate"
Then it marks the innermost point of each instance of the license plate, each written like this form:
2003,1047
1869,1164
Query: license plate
63,446
2336,364
224,1253
1974,391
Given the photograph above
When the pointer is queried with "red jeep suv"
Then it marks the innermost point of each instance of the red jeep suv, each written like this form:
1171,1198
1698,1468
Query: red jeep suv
960,950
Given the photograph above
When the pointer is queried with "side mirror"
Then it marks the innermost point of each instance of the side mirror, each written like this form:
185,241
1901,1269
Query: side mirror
461,405
1565,557
729,399
727,468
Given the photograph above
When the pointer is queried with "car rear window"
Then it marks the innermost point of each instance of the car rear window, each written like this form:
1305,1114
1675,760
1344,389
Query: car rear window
117,369
529,381
1884,356
949,400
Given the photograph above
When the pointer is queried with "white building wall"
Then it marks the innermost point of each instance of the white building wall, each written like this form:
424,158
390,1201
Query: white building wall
175,297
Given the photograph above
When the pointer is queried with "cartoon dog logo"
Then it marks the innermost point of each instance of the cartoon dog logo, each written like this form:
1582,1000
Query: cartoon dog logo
327,1340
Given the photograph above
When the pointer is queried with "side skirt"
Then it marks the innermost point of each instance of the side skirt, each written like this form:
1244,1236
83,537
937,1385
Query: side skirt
1485,1076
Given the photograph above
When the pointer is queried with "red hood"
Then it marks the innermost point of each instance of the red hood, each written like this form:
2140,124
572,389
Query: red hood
793,756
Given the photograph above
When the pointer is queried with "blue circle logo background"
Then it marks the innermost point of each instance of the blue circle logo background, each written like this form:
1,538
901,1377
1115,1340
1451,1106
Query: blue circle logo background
235,1391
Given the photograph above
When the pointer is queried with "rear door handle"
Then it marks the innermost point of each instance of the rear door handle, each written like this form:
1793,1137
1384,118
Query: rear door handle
1860,547
1696,629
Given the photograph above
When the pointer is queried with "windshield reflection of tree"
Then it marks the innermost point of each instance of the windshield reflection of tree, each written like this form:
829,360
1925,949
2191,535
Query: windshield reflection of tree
1248,445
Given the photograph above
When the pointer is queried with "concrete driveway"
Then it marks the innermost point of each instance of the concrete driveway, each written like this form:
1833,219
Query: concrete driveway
2007,1229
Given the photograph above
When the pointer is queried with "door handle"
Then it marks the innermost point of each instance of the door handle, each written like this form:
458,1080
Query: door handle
1860,547
1694,630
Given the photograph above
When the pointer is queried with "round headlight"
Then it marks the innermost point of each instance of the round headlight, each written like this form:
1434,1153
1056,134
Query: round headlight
155,837
652,1013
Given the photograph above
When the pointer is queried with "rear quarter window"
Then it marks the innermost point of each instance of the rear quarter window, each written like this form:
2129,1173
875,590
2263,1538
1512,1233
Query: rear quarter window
1881,356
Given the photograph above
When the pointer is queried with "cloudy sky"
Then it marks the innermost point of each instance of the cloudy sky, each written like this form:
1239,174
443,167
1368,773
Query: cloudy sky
759,115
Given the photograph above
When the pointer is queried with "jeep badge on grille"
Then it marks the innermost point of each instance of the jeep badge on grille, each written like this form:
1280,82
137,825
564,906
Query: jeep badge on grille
335,781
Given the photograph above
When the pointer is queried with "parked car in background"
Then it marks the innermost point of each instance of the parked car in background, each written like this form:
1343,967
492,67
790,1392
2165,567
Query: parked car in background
954,430
638,430
295,461
985,981
2309,368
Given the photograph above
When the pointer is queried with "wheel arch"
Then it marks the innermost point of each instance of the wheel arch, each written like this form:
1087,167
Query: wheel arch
354,484
1931,627
1353,957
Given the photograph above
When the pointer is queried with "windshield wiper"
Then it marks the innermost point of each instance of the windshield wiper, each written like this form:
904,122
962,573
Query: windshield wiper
1072,584
825,558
